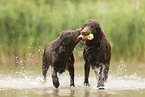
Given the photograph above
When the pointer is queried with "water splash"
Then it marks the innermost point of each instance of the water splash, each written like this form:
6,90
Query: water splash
120,78
132,82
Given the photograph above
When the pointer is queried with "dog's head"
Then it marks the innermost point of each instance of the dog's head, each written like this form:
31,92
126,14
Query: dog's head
91,27
68,40
70,36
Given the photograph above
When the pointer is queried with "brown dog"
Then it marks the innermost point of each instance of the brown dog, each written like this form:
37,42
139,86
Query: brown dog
97,52
59,55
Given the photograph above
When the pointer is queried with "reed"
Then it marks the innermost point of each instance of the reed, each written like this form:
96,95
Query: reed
26,26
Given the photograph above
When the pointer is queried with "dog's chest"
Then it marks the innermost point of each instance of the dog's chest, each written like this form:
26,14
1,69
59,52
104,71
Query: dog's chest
93,54
61,66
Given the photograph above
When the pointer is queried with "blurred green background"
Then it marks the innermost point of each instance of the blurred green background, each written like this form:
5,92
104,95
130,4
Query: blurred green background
26,26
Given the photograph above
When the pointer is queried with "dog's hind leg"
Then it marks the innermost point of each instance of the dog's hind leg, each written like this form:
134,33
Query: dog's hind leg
45,67
103,75
96,73
55,78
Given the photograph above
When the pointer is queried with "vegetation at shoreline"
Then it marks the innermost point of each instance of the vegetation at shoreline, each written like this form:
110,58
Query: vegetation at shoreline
26,26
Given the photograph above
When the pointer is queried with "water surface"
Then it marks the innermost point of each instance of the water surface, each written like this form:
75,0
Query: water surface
26,81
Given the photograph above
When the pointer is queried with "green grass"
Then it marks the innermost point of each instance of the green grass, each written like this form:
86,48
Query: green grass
26,26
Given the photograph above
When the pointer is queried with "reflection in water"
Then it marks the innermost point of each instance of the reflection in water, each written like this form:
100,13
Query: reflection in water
72,93
96,93
103,93
75,92
122,81
86,94
55,93
61,92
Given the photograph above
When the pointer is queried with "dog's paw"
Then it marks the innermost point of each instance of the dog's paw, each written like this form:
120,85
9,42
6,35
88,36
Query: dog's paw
86,84
101,86
56,85
72,85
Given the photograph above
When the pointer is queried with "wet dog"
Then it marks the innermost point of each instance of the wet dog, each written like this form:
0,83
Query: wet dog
97,52
59,55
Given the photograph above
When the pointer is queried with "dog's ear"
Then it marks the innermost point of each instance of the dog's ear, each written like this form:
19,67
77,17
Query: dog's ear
60,47
98,29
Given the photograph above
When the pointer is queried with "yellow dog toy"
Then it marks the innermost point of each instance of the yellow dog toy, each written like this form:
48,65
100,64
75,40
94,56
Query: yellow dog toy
89,37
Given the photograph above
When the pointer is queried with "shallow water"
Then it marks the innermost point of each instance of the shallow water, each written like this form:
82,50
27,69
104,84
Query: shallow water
26,81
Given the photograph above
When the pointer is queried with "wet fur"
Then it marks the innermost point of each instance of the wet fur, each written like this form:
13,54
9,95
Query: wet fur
97,52
59,55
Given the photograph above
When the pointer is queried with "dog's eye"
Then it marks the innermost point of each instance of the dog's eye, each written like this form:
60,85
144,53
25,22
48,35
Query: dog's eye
92,26
69,34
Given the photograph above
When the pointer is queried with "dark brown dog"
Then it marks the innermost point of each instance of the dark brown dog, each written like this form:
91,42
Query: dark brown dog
97,52
59,55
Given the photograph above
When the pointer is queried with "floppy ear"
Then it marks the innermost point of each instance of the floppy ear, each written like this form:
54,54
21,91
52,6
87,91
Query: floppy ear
60,47
99,30
58,43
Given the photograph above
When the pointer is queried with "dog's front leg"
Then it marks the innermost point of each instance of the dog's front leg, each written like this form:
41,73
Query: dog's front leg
87,71
71,70
55,78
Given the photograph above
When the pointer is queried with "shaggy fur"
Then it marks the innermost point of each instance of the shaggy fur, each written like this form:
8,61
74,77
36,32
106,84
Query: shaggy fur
97,52
59,55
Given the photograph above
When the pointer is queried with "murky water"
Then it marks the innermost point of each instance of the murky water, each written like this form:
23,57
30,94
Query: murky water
26,81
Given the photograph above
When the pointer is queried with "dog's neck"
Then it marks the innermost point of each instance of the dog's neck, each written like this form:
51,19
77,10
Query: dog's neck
65,48
71,46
